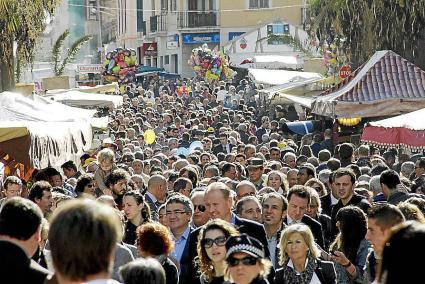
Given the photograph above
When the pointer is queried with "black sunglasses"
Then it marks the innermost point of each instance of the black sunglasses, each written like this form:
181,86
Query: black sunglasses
201,207
220,241
248,260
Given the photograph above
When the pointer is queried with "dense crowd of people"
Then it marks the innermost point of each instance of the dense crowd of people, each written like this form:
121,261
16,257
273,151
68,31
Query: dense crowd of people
221,193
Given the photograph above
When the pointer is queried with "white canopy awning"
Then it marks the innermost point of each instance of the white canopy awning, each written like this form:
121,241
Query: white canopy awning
81,99
279,77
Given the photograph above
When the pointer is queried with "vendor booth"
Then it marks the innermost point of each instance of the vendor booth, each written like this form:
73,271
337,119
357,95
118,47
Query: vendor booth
87,100
386,85
36,132
407,131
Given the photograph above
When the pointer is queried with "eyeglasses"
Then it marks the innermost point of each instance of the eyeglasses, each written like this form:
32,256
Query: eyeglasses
200,207
169,213
248,260
90,185
220,241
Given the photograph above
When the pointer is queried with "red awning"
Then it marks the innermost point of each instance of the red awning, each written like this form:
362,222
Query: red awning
394,137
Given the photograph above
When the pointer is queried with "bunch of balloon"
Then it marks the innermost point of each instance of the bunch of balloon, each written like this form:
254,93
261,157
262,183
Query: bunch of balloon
210,65
330,57
120,66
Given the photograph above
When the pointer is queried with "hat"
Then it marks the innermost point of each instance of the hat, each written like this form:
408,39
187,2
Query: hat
246,244
255,163
210,130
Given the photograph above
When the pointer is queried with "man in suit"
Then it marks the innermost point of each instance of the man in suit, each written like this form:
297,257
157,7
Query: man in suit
329,200
156,194
20,234
179,211
298,203
344,182
219,203
274,210
224,146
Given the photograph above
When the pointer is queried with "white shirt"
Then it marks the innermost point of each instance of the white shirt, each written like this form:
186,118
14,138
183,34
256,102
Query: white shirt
102,281
314,279
333,199
290,221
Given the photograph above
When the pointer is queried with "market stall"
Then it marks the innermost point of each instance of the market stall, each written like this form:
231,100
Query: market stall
279,77
36,132
86,100
407,130
386,85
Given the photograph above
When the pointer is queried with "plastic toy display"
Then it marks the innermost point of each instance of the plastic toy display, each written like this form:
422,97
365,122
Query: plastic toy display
120,66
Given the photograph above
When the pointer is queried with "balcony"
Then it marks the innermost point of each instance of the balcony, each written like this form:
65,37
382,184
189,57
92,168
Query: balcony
158,24
195,20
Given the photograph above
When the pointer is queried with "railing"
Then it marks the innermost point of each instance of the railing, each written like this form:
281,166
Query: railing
197,19
158,23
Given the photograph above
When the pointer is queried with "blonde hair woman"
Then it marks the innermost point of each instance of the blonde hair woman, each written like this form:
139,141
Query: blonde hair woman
299,258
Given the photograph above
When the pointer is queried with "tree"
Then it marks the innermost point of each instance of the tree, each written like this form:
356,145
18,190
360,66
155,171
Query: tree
364,26
22,22
59,68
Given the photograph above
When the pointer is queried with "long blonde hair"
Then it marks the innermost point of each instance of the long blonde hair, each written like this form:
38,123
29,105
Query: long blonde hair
307,235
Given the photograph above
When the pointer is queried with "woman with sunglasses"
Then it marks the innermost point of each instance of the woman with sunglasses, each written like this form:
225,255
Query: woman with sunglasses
85,186
212,251
245,261
137,213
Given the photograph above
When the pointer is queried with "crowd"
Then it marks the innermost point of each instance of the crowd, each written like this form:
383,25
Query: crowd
220,194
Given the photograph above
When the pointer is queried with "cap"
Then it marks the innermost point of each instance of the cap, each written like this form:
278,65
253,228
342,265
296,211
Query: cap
210,130
255,163
246,244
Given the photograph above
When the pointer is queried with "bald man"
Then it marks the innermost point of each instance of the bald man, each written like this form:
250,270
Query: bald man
156,194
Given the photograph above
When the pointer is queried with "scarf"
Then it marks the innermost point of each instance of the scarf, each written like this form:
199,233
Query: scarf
292,276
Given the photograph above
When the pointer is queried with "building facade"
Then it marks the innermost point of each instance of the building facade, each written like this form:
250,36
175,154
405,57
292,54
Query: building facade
171,29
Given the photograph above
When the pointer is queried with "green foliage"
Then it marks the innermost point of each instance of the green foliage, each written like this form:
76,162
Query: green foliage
59,68
57,50
369,25
21,21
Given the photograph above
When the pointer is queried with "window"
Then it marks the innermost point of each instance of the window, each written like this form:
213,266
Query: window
259,4
173,5
167,59
164,5
139,13
92,11
278,34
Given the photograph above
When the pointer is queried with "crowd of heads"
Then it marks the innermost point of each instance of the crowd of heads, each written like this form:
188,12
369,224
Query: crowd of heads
217,156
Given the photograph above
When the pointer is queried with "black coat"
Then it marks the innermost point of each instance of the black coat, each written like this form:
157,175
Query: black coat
356,200
325,271
16,267
244,226
326,203
185,262
219,149
315,227
171,272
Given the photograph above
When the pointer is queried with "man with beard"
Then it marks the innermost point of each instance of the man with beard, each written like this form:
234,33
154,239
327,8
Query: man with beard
117,183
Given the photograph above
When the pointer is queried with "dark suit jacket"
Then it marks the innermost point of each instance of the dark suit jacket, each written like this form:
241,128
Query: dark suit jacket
315,227
356,200
219,149
244,226
185,262
325,271
326,203
16,267
153,207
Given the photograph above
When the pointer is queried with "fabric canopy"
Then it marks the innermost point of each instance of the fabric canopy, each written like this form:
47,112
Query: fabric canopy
385,85
299,127
407,130
99,89
279,77
81,99
37,132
